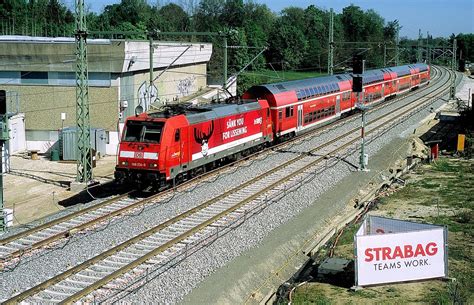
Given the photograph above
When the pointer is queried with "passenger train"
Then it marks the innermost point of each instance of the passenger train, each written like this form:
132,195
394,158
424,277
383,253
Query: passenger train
181,142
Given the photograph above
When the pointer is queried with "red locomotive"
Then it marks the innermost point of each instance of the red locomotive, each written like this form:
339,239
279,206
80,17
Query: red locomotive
157,147
183,142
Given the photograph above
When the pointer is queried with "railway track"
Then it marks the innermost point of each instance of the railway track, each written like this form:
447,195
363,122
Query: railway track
46,235
157,248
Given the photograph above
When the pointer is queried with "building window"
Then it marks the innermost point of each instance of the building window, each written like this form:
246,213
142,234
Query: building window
10,78
31,77
96,79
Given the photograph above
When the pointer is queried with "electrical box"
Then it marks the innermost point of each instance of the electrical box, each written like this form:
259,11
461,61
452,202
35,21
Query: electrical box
4,128
69,142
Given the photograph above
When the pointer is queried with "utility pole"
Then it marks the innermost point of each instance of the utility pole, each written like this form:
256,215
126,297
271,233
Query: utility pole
384,54
397,41
84,156
150,37
331,43
225,60
428,51
418,55
3,138
452,90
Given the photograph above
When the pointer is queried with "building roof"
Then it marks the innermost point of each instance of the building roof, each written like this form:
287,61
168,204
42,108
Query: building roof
26,53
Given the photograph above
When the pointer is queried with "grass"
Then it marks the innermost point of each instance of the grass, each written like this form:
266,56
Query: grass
280,76
444,165
307,295
347,236
448,186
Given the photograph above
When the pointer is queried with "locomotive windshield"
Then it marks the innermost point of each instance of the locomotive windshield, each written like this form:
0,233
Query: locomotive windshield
139,131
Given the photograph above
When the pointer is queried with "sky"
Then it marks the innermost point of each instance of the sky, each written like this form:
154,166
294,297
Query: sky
439,17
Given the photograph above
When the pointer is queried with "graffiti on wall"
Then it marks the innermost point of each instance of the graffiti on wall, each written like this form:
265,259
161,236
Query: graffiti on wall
147,95
186,85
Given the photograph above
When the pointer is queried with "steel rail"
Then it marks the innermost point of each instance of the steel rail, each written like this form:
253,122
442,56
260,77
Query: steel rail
77,296
139,261
122,211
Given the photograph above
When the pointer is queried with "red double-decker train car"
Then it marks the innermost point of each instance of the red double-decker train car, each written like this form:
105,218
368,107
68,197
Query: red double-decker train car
182,142
303,104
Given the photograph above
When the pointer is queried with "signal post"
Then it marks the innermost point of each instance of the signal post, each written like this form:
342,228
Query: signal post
357,86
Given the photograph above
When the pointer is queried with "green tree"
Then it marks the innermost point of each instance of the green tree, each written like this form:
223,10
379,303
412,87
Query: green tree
170,18
207,17
233,13
465,45
287,44
316,32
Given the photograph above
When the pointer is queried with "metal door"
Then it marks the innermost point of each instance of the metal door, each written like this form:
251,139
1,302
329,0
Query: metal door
14,137
338,104
300,117
17,140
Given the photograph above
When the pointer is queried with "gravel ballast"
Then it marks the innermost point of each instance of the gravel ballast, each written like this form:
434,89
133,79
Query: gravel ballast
173,285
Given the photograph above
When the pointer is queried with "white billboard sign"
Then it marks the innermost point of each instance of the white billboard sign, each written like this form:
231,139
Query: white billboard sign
395,257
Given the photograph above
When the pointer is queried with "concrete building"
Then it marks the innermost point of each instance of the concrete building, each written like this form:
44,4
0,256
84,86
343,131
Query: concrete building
41,71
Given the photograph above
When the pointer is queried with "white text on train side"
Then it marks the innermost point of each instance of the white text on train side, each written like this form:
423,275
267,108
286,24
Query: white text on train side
234,133
235,123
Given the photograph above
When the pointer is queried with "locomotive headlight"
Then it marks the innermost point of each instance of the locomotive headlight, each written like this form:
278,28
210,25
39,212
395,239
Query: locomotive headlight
124,163
153,165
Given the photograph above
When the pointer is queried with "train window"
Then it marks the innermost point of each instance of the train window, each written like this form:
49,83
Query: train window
268,112
346,96
138,131
291,110
308,93
280,114
176,135
152,134
133,132
287,112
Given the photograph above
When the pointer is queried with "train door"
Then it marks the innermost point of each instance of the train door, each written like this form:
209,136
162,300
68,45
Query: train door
178,139
300,118
338,105
383,90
